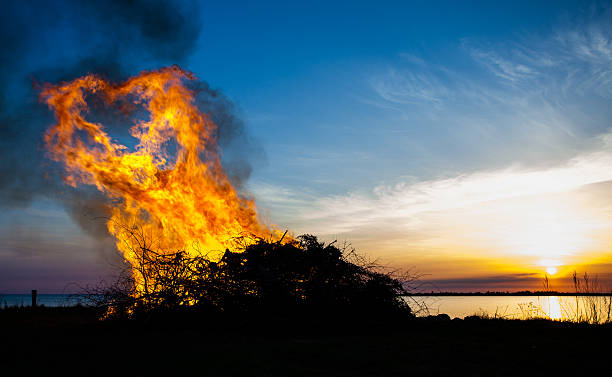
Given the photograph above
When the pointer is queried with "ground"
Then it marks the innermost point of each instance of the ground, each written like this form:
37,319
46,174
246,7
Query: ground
73,342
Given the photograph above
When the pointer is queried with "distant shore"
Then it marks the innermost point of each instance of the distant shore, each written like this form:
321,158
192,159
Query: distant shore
518,293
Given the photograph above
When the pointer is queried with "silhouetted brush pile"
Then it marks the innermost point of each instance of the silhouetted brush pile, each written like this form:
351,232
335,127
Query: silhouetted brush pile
306,276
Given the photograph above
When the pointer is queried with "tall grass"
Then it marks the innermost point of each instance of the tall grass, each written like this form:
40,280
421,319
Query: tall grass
590,306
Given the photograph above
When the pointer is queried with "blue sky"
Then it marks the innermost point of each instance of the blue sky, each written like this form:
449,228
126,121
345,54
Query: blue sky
367,117
399,91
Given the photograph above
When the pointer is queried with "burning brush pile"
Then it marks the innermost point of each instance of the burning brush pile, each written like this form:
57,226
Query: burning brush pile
303,276
190,238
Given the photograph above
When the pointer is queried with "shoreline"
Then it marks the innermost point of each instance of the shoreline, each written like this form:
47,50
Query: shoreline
520,293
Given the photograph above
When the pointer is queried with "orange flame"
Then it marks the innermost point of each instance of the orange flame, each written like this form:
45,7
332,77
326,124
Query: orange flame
174,201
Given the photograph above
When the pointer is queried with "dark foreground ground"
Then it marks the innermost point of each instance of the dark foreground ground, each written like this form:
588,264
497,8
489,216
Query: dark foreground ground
71,341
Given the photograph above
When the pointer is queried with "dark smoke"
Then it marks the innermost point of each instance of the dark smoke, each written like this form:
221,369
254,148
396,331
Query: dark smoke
238,149
57,41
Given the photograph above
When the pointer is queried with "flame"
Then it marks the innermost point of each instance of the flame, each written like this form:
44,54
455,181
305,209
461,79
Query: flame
161,200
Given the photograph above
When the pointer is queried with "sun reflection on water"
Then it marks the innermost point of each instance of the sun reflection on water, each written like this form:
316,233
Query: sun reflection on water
553,308
592,309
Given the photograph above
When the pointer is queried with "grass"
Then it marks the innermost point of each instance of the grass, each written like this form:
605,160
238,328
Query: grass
591,309
588,305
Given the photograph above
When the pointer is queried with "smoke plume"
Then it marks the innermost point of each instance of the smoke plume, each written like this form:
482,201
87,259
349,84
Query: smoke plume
57,41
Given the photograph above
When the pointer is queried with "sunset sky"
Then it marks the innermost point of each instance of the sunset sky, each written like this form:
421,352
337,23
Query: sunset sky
470,143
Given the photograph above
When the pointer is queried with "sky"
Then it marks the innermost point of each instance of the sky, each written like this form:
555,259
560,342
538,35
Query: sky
467,142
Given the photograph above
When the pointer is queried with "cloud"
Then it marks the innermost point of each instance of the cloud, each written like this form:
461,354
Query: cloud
514,145
499,120
518,215
502,68
410,88
407,199
548,85
502,282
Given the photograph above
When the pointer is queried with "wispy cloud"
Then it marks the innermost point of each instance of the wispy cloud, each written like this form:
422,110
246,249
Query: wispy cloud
555,212
344,213
410,88
545,96
572,62
505,69
536,100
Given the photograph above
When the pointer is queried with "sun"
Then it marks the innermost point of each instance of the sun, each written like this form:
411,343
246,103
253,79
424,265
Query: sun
550,265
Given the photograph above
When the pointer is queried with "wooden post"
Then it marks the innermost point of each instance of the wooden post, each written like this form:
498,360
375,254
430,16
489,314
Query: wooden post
34,293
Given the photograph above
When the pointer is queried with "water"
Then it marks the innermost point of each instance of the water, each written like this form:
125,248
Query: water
52,300
567,308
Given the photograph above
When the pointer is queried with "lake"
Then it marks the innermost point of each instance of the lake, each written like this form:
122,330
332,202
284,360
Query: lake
569,308
53,300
